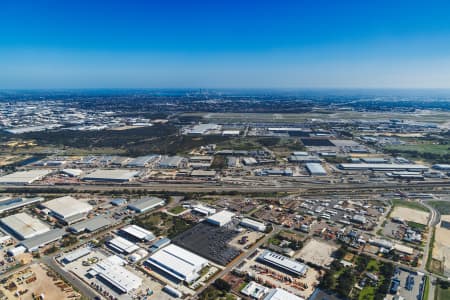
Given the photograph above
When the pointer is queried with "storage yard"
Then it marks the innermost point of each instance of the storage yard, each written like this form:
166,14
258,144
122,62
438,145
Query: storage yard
37,280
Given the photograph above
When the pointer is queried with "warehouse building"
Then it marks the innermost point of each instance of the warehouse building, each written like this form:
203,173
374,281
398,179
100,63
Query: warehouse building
178,263
441,167
221,218
113,272
76,254
24,226
203,210
252,224
8,203
121,245
24,177
68,209
91,225
202,129
171,162
72,172
146,204
282,262
315,169
42,240
116,175
280,294
143,161
204,173
137,233
382,167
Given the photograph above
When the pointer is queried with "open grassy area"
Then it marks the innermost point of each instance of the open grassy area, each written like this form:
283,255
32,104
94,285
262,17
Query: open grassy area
422,148
367,293
443,207
442,293
177,209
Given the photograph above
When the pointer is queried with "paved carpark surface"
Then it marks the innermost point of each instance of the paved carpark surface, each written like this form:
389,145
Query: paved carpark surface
409,295
390,229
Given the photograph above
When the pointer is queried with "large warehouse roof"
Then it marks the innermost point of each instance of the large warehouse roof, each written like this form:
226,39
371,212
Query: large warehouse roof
283,262
145,204
91,225
117,275
138,232
67,206
382,167
122,245
24,177
178,262
280,294
119,175
24,226
221,218
43,239
316,169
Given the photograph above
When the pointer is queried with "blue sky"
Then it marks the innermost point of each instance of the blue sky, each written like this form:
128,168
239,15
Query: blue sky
225,44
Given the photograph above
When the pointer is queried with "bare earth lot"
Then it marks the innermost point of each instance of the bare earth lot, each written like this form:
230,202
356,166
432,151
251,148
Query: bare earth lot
409,214
317,252
441,248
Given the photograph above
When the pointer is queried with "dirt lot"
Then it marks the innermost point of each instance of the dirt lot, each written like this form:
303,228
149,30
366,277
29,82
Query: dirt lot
317,252
36,279
409,214
441,248
252,237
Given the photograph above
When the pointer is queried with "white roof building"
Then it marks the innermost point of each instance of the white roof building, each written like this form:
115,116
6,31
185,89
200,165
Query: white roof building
116,175
280,294
178,263
24,226
221,218
204,210
252,224
283,262
67,208
114,273
122,245
24,177
138,233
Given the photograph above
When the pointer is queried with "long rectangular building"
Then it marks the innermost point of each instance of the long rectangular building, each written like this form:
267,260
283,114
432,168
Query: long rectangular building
68,209
382,167
283,262
178,263
24,177
116,275
24,226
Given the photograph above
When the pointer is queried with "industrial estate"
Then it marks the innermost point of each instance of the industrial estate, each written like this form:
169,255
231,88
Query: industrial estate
336,200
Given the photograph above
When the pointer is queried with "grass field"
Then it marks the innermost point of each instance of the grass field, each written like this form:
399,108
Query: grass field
441,293
443,207
421,148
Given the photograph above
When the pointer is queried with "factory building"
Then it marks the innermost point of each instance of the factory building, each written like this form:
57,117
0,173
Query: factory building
221,218
24,177
112,271
146,204
315,169
24,226
178,263
68,209
72,172
116,175
441,167
252,224
137,233
121,245
283,262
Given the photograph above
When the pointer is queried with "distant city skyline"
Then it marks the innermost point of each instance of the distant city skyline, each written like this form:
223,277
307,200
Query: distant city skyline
229,44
